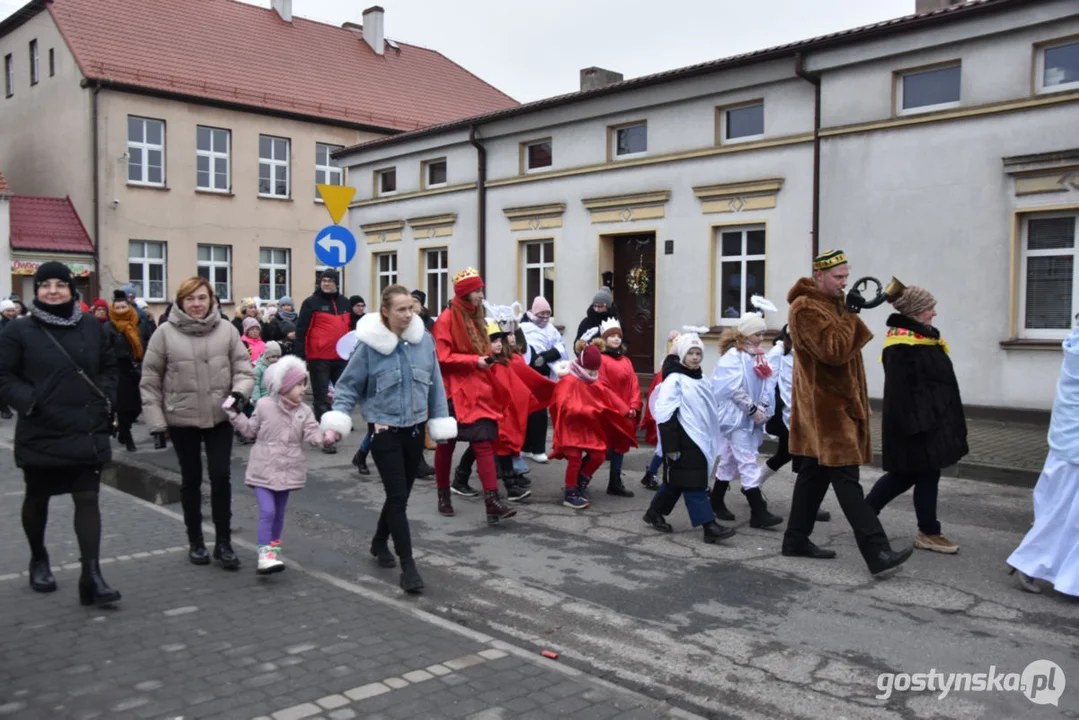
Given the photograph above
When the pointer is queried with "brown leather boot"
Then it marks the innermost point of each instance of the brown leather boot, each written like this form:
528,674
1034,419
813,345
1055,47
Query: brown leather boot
496,509
445,505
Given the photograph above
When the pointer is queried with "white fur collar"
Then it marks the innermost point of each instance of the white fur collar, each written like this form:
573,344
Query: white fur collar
372,333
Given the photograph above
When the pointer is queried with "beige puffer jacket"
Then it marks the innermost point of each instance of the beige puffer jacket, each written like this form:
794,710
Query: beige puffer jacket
190,368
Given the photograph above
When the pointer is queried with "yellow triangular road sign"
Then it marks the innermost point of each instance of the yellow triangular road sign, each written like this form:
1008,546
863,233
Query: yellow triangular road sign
337,198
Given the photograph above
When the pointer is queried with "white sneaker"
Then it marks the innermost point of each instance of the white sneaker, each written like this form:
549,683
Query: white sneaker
538,457
269,562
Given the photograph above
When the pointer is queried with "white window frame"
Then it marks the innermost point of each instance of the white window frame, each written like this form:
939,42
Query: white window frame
389,274
145,148
614,140
427,165
329,169
273,266
1043,333
743,259
35,64
525,160
146,263
725,138
441,274
274,162
214,156
9,75
211,265
378,182
901,79
1039,69
541,266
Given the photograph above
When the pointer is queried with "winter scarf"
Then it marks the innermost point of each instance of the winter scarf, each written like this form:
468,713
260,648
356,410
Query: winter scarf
468,329
902,336
63,315
586,376
289,315
760,361
127,323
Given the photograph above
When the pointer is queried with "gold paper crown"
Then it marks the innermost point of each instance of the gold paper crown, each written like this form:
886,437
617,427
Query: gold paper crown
468,272
493,328
829,259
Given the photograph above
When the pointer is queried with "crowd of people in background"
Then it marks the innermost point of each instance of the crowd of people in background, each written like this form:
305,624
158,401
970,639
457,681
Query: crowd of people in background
492,377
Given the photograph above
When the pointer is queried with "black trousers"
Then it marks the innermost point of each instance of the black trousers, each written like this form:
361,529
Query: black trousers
188,442
323,372
809,490
536,433
783,453
397,452
893,484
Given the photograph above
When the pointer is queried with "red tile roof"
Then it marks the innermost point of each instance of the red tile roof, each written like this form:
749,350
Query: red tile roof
229,51
41,223
4,189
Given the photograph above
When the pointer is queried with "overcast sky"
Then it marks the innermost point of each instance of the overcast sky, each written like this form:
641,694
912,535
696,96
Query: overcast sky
532,49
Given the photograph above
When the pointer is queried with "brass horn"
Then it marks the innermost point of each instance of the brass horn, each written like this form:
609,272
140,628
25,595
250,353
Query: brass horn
856,301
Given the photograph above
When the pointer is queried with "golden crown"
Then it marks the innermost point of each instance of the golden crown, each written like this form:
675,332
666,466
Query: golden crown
469,272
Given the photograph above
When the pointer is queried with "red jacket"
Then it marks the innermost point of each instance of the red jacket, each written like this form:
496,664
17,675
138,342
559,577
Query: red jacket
587,416
470,389
618,375
323,320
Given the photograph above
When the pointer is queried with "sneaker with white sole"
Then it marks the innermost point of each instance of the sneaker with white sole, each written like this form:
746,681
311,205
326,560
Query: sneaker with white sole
535,457
269,562
935,543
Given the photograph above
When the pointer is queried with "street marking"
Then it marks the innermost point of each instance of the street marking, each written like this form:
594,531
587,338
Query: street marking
185,610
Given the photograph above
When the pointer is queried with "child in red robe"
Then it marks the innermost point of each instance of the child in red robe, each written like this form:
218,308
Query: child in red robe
588,418
617,373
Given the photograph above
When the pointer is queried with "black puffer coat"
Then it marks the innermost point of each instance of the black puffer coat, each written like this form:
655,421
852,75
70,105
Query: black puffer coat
62,422
129,372
690,470
923,426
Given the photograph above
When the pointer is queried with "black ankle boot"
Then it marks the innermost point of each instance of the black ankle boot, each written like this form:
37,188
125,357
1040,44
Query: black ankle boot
713,531
657,521
198,554
360,461
615,486
719,491
41,578
225,555
759,516
411,582
93,590
424,470
381,552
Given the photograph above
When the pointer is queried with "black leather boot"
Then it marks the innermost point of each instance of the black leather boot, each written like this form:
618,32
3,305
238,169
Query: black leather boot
41,578
719,491
380,550
615,486
411,582
424,469
360,461
759,516
93,590
198,554
496,509
657,521
887,559
713,531
225,555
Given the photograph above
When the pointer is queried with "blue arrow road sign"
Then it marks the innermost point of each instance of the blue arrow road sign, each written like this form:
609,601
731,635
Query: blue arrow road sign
335,246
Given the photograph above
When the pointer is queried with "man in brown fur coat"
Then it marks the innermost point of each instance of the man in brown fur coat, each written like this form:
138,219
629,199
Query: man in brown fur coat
829,427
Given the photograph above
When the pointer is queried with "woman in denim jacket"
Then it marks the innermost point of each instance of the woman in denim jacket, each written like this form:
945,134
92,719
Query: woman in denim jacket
394,376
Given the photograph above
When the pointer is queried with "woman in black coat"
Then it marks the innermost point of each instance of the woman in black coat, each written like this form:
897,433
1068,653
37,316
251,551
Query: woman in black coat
602,308
923,427
58,371
128,335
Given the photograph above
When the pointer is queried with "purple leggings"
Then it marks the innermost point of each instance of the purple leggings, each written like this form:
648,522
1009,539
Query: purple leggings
271,514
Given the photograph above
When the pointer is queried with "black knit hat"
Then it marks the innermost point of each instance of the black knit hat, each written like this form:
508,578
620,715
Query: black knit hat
356,299
421,296
52,270
119,296
330,274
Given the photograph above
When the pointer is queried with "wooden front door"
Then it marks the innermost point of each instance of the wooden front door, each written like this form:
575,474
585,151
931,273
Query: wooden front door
637,311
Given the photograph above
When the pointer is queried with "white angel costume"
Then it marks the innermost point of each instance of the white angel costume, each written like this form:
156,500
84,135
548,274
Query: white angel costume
1050,551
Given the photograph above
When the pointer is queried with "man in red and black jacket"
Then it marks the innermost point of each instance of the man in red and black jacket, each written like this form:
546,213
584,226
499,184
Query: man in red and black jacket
323,320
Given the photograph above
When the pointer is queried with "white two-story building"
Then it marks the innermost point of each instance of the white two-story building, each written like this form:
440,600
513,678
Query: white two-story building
941,148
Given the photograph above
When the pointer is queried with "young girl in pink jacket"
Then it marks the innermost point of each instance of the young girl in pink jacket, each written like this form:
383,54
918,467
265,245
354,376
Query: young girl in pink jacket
280,425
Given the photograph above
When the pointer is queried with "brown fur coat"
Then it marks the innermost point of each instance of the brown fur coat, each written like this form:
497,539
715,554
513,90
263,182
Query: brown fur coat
829,399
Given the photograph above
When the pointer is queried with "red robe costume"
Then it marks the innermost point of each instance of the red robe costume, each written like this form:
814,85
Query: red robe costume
522,392
648,423
618,375
471,389
587,416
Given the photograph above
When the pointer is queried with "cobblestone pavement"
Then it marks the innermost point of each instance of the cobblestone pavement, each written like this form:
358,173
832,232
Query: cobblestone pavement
199,642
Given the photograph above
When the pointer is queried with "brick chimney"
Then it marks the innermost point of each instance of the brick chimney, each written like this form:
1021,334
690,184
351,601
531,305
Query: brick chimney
374,32
594,77
283,8
921,6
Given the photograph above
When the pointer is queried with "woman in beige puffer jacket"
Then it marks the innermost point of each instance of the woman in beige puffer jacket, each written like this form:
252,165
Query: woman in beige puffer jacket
193,364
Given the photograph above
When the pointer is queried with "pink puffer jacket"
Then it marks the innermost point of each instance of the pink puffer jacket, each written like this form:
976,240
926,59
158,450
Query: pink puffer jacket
277,461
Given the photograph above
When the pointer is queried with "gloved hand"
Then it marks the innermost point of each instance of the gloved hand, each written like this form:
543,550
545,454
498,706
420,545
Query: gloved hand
159,441
241,401
855,303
